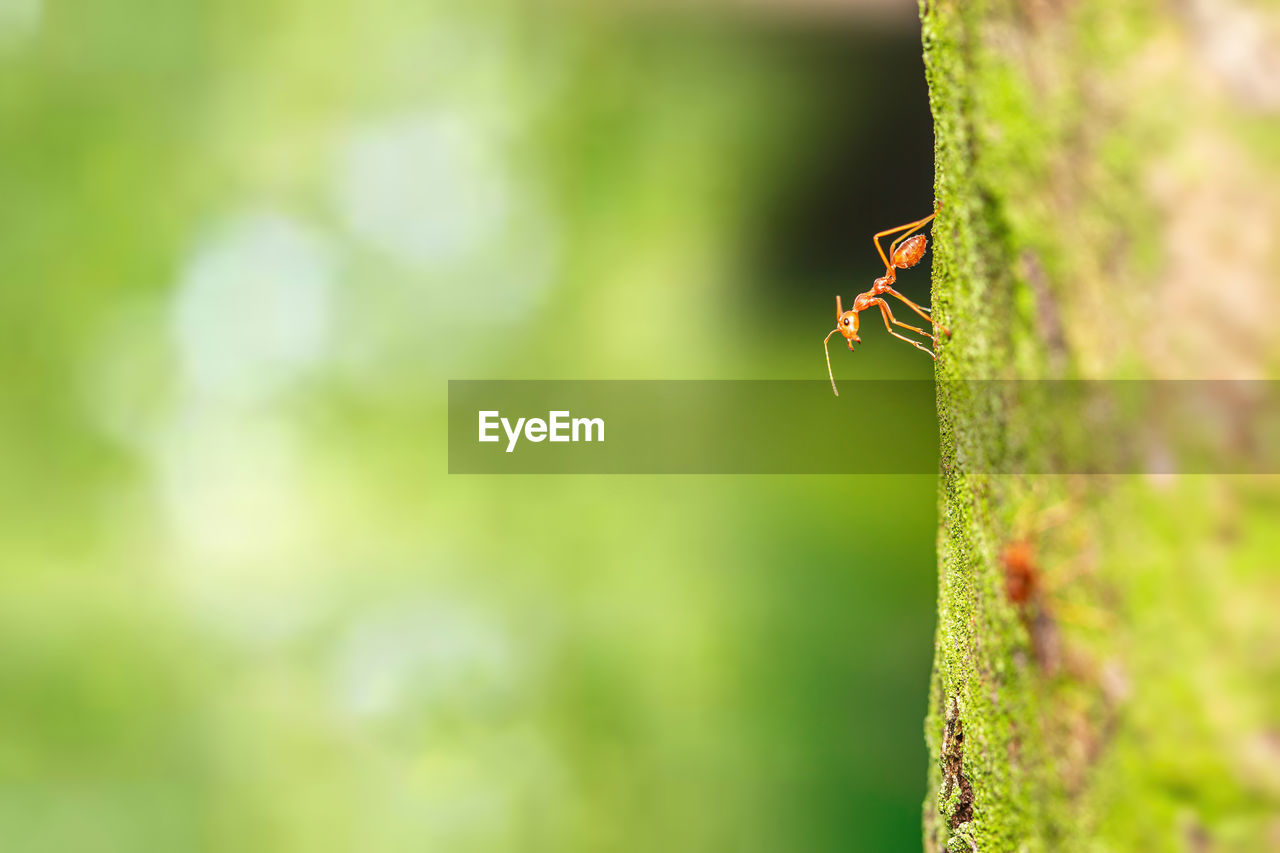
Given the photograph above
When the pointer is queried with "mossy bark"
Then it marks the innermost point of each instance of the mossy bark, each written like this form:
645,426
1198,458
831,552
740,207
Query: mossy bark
1107,671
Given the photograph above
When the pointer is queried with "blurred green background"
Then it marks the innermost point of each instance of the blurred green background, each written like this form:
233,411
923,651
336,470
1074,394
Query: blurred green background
242,605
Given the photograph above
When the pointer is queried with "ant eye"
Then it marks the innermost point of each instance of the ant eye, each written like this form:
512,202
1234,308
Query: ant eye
845,321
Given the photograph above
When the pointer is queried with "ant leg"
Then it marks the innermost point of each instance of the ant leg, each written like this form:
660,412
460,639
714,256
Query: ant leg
889,318
898,322
915,226
886,310
923,312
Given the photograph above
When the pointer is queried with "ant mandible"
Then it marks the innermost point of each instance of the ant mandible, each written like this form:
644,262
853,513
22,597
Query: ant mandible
906,251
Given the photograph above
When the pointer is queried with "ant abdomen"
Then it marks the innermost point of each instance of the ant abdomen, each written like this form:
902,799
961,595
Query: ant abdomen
909,253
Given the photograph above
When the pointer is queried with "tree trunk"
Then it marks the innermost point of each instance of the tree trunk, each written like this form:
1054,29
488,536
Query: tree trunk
1107,669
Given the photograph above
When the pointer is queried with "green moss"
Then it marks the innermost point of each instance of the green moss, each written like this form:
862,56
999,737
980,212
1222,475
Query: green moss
1065,705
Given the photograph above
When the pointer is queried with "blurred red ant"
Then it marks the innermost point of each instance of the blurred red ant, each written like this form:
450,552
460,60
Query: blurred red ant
1021,571
1022,583
906,251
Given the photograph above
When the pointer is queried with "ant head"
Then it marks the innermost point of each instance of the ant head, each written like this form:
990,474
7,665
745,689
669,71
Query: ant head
847,325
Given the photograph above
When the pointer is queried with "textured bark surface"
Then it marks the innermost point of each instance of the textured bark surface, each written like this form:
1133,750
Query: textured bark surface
1107,671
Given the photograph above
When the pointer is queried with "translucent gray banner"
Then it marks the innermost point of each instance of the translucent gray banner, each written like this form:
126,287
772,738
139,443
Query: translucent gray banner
873,427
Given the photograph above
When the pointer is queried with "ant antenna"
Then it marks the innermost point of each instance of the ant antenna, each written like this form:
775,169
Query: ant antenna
827,349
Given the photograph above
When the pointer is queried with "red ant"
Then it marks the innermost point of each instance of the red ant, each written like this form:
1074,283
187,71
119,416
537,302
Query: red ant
1021,571
1022,583
906,252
